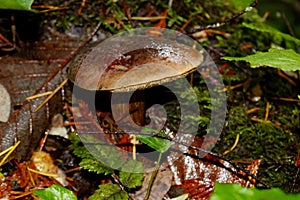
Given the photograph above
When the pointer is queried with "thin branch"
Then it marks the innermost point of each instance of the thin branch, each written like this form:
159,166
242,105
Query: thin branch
235,16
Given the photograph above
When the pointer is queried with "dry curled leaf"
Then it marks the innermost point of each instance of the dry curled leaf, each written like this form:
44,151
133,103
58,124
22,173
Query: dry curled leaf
43,162
35,69
197,176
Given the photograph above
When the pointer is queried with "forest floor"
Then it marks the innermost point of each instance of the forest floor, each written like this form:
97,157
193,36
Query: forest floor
262,124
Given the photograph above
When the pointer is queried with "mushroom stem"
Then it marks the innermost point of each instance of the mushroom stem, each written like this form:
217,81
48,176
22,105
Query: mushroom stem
129,116
137,112
137,107
133,114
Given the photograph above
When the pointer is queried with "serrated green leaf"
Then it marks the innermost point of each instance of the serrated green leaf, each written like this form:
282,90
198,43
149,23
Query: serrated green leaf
237,192
131,174
278,36
109,192
16,4
74,139
88,162
158,144
286,59
82,152
55,192
107,154
96,157
78,148
94,165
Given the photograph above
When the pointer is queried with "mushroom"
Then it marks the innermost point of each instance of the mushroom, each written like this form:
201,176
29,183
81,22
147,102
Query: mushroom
126,65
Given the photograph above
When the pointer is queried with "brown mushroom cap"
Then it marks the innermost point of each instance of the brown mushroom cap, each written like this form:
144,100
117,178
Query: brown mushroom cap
134,62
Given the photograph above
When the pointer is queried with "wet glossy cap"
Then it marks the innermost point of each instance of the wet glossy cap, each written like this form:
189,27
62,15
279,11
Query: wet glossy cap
132,62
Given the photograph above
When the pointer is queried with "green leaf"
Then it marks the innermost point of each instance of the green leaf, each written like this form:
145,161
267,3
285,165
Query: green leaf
16,4
105,153
278,36
94,165
237,192
286,59
82,152
151,130
55,192
241,4
155,142
109,192
128,176
94,153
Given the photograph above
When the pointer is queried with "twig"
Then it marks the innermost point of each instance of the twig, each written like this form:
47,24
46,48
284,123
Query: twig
260,120
134,142
233,146
73,170
49,8
281,74
81,7
148,18
286,99
217,25
232,87
182,28
216,32
15,192
5,40
127,13
43,141
6,45
116,179
51,95
8,154
252,110
41,173
5,151
267,111
287,23
31,178
22,195
38,95
77,123
265,16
